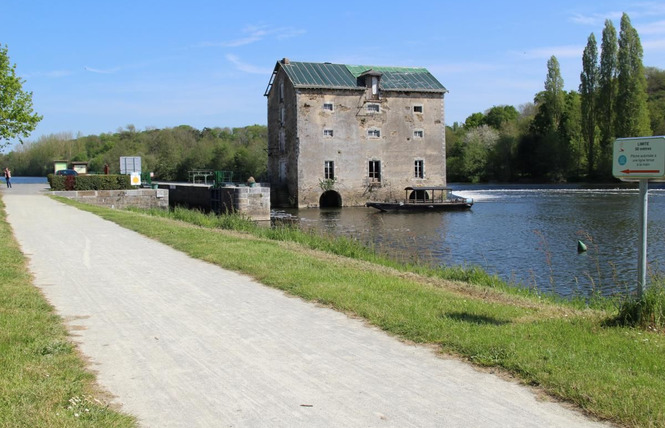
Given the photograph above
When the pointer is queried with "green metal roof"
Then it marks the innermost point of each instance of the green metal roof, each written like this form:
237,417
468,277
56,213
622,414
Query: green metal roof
319,75
341,76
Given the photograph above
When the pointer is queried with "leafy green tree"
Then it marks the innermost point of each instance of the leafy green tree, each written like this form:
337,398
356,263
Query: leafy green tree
497,116
632,114
454,152
452,137
222,156
545,152
478,144
607,93
550,102
532,157
588,93
527,114
501,163
170,155
571,155
554,93
656,99
17,119
475,120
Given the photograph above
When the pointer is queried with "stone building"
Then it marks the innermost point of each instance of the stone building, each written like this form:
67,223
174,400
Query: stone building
341,135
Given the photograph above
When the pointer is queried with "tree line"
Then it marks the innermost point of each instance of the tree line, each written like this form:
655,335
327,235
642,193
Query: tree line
170,153
565,135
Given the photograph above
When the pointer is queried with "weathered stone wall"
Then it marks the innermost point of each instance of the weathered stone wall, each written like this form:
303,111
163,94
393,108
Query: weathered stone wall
282,141
252,202
138,198
296,165
351,148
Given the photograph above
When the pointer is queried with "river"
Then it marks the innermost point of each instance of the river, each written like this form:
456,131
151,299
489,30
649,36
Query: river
525,234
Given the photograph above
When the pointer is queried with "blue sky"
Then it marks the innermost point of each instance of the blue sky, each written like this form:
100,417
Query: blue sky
97,66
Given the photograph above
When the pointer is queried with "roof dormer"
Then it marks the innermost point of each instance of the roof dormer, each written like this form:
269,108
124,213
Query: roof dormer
371,80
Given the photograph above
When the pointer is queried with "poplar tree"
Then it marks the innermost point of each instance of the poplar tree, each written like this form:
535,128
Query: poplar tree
588,88
632,113
554,94
16,116
607,92
546,146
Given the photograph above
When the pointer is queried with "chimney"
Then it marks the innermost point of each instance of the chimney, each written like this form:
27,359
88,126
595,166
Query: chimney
285,60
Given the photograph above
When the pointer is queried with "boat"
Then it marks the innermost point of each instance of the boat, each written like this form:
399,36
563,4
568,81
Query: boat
424,199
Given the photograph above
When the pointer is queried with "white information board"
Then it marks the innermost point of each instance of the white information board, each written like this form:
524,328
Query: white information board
129,164
639,158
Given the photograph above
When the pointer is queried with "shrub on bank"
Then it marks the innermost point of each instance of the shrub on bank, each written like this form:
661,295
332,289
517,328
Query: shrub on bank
90,182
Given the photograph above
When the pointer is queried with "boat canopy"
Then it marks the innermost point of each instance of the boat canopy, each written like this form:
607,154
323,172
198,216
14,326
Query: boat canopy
427,188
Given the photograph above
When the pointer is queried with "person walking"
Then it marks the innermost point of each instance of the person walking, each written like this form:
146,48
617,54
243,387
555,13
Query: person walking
8,177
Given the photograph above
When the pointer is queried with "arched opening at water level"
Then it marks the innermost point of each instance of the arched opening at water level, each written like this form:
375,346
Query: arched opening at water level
330,199
419,195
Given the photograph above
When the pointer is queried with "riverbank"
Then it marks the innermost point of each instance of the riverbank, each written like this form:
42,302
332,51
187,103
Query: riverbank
511,224
182,342
572,354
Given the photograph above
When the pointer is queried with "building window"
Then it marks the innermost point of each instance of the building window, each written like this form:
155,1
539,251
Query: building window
373,108
329,170
282,141
418,133
418,108
281,92
328,106
374,133
375,171
282,116
328,133
419,169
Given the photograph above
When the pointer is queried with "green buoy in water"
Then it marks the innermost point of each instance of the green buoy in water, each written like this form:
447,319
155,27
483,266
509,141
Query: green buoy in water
581,247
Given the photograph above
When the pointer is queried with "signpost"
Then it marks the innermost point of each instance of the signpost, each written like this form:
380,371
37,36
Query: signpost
640,159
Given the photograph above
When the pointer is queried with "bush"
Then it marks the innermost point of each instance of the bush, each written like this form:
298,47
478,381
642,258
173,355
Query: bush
90,182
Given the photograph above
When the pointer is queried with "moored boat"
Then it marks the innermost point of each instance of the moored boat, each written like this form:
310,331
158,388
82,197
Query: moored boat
425,198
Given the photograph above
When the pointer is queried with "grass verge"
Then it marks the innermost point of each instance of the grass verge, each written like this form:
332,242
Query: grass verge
43,380
613,373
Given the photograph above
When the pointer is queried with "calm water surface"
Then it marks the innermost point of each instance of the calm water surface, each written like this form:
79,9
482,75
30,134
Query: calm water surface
527,235
28,180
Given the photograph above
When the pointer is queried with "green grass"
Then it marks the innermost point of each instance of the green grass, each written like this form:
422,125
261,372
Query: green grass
570,352
43,381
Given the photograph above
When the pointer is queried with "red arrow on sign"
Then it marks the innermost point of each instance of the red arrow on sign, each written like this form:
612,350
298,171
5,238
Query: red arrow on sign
641,171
